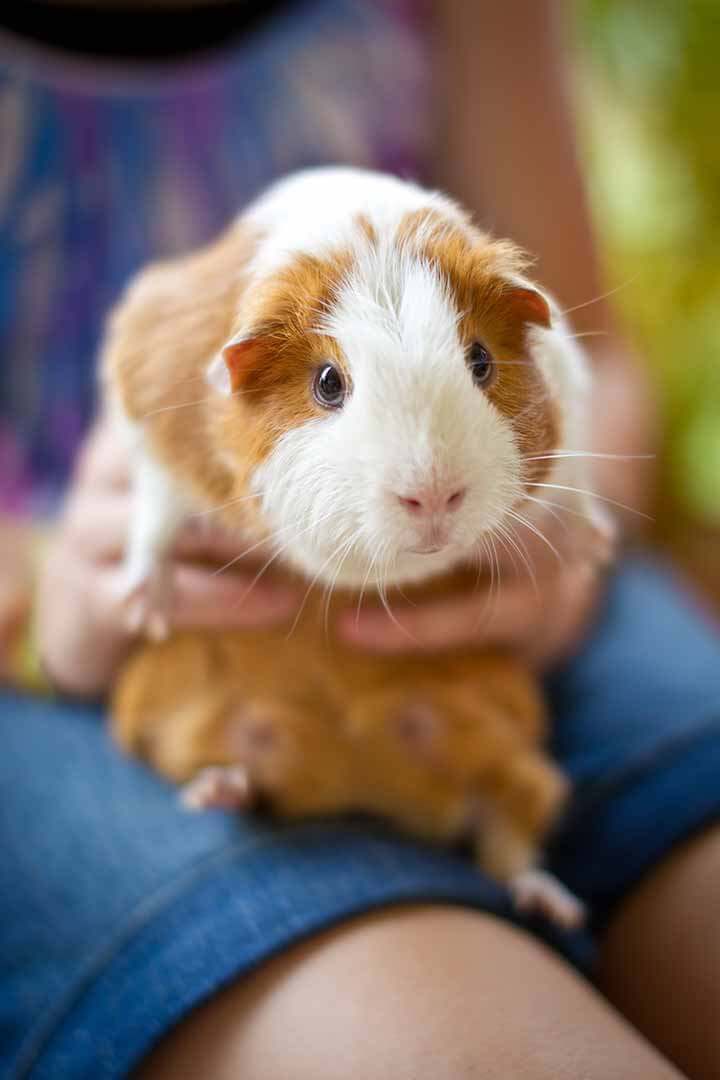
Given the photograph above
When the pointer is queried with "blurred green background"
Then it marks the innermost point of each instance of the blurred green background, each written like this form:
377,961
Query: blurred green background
649,81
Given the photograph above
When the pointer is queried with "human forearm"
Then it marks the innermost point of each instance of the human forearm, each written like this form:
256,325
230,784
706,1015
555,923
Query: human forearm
624,424
507,143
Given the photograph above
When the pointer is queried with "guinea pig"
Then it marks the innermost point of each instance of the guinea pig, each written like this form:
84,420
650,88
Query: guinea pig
367,388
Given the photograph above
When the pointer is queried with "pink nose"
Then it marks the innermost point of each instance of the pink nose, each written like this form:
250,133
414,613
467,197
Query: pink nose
431,500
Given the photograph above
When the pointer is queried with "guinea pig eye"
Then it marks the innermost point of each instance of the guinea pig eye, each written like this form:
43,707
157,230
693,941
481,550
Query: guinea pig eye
481,364
329,387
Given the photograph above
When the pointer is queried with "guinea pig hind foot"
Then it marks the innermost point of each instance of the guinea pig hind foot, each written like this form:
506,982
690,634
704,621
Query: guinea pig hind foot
536,892
218,787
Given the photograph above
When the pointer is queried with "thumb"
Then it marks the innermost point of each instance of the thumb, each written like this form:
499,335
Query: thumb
478,617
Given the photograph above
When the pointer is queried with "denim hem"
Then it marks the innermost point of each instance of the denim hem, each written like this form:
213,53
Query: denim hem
192,938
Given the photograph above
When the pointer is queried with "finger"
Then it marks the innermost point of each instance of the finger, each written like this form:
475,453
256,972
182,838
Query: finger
103,460
546,542
80,637
573,604
202,598
200,539
444,624
98,524
536,620
96,527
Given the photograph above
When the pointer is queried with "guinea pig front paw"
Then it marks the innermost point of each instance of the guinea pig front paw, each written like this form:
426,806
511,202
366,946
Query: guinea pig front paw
536,892
218,787
146,603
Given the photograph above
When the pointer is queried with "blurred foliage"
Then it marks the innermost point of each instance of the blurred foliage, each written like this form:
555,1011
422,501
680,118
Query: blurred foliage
650,82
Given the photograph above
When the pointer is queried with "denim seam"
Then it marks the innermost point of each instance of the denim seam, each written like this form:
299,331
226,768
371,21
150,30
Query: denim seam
600,791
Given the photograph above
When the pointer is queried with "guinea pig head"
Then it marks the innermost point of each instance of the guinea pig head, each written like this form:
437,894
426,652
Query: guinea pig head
385,400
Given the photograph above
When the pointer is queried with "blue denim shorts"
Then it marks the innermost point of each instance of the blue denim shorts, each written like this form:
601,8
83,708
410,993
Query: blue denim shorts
119,912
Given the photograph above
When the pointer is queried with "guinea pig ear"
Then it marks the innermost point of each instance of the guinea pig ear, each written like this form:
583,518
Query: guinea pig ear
527,304
230,369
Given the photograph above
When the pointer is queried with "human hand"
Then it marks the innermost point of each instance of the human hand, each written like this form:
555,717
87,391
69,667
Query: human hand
16,560
542,616
81,622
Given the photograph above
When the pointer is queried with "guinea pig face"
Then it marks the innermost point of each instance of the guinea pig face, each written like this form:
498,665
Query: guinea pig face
392,404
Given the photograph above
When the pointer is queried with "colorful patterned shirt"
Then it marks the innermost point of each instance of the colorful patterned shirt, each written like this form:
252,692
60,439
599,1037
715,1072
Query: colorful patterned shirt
104,165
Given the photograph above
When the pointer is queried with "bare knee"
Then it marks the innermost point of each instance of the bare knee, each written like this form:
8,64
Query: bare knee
422,992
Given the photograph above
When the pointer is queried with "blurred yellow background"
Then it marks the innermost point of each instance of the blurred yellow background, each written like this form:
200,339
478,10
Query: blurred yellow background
649,82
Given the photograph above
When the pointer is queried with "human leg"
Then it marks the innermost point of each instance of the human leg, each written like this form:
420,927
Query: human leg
660,960
415,992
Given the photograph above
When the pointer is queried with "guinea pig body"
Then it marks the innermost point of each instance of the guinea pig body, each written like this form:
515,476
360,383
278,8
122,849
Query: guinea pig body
367,388
447,748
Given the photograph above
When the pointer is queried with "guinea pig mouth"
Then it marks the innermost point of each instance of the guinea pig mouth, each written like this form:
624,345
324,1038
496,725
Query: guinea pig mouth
433,550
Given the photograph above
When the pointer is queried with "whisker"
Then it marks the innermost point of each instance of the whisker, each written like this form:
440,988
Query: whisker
548,507
200,401
271,539
514,363
603,296
592,495
590,333
559,506
518,546
499,538
558,454
181,405
266,566
330,589
485,557
247,551
406,598
223,506
488,547
382,593
496,588
536,532
364,585
310,588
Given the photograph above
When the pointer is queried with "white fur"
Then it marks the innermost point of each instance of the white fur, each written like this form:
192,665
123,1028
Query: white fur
313,212
158,510
330,488
413,416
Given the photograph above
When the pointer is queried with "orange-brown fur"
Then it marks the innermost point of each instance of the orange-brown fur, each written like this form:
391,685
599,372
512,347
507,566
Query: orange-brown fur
317,725
321,729
476,271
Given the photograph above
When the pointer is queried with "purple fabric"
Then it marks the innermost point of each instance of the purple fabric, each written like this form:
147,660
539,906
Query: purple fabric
105,166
